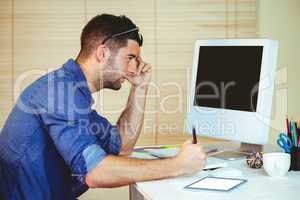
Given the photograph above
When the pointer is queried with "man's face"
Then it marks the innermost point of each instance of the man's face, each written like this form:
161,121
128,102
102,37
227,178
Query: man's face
125,60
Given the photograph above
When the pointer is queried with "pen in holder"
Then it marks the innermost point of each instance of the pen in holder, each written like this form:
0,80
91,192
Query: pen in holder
295,158
291,143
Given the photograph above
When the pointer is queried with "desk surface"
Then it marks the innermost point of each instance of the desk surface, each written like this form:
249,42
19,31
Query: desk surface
259,186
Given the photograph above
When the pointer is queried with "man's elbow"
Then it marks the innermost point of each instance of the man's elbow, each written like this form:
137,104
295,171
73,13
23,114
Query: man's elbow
92,182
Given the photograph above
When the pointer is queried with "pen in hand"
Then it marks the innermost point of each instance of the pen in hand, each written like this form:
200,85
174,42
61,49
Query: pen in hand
194,136
208,151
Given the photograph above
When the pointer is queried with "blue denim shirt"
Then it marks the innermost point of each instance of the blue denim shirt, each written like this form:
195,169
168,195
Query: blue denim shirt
52,138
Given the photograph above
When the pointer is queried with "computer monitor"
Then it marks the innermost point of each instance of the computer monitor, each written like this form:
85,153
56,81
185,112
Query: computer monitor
231,89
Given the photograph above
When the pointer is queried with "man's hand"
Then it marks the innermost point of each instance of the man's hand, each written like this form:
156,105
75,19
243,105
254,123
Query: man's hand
143,75
191,158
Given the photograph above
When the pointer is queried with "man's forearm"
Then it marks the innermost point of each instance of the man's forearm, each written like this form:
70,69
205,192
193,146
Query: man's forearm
131,120
115,171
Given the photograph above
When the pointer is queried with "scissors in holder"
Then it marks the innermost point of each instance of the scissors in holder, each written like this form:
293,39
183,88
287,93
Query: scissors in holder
285,142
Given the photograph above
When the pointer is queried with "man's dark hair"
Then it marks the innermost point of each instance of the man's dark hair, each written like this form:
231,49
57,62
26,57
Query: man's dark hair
106,25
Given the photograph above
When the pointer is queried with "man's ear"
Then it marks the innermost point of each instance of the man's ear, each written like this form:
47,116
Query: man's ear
102,53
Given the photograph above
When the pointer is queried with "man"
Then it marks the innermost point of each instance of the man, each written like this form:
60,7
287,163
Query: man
54,146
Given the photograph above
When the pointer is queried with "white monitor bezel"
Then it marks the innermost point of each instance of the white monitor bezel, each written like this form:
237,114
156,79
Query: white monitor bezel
257,121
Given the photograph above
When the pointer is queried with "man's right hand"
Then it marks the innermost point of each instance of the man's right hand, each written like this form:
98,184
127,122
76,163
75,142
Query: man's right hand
190,158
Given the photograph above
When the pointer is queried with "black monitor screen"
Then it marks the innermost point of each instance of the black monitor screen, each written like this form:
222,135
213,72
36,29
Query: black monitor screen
228,77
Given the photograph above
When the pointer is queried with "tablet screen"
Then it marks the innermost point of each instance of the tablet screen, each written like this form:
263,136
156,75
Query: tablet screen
216,183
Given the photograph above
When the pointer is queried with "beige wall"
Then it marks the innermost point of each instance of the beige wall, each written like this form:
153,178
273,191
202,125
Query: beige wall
6,58
280,20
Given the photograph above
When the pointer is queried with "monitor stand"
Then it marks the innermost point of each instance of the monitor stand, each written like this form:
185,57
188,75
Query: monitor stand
239,153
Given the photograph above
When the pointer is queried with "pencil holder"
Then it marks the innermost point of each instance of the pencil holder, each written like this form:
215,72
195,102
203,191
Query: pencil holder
295,159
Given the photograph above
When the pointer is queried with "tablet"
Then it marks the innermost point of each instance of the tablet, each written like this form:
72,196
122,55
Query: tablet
215,184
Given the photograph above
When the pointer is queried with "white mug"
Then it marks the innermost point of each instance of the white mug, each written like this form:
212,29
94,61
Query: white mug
276,164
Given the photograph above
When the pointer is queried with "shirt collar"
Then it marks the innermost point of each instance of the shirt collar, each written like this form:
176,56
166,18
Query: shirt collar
73,67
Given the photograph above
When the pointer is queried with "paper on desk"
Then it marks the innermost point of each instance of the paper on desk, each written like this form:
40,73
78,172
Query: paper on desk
142,155
163,153
170,152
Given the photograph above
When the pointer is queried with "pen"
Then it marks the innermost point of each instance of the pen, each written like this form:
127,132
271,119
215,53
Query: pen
294,132
194,136
291,129
288,129
298,137
298,132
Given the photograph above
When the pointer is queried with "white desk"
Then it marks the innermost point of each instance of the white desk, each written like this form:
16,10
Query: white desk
260,186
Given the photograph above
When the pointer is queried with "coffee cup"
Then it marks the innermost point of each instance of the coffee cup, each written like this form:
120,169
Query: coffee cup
276,164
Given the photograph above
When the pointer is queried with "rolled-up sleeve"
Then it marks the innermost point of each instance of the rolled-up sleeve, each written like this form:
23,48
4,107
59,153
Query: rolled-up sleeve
79,148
